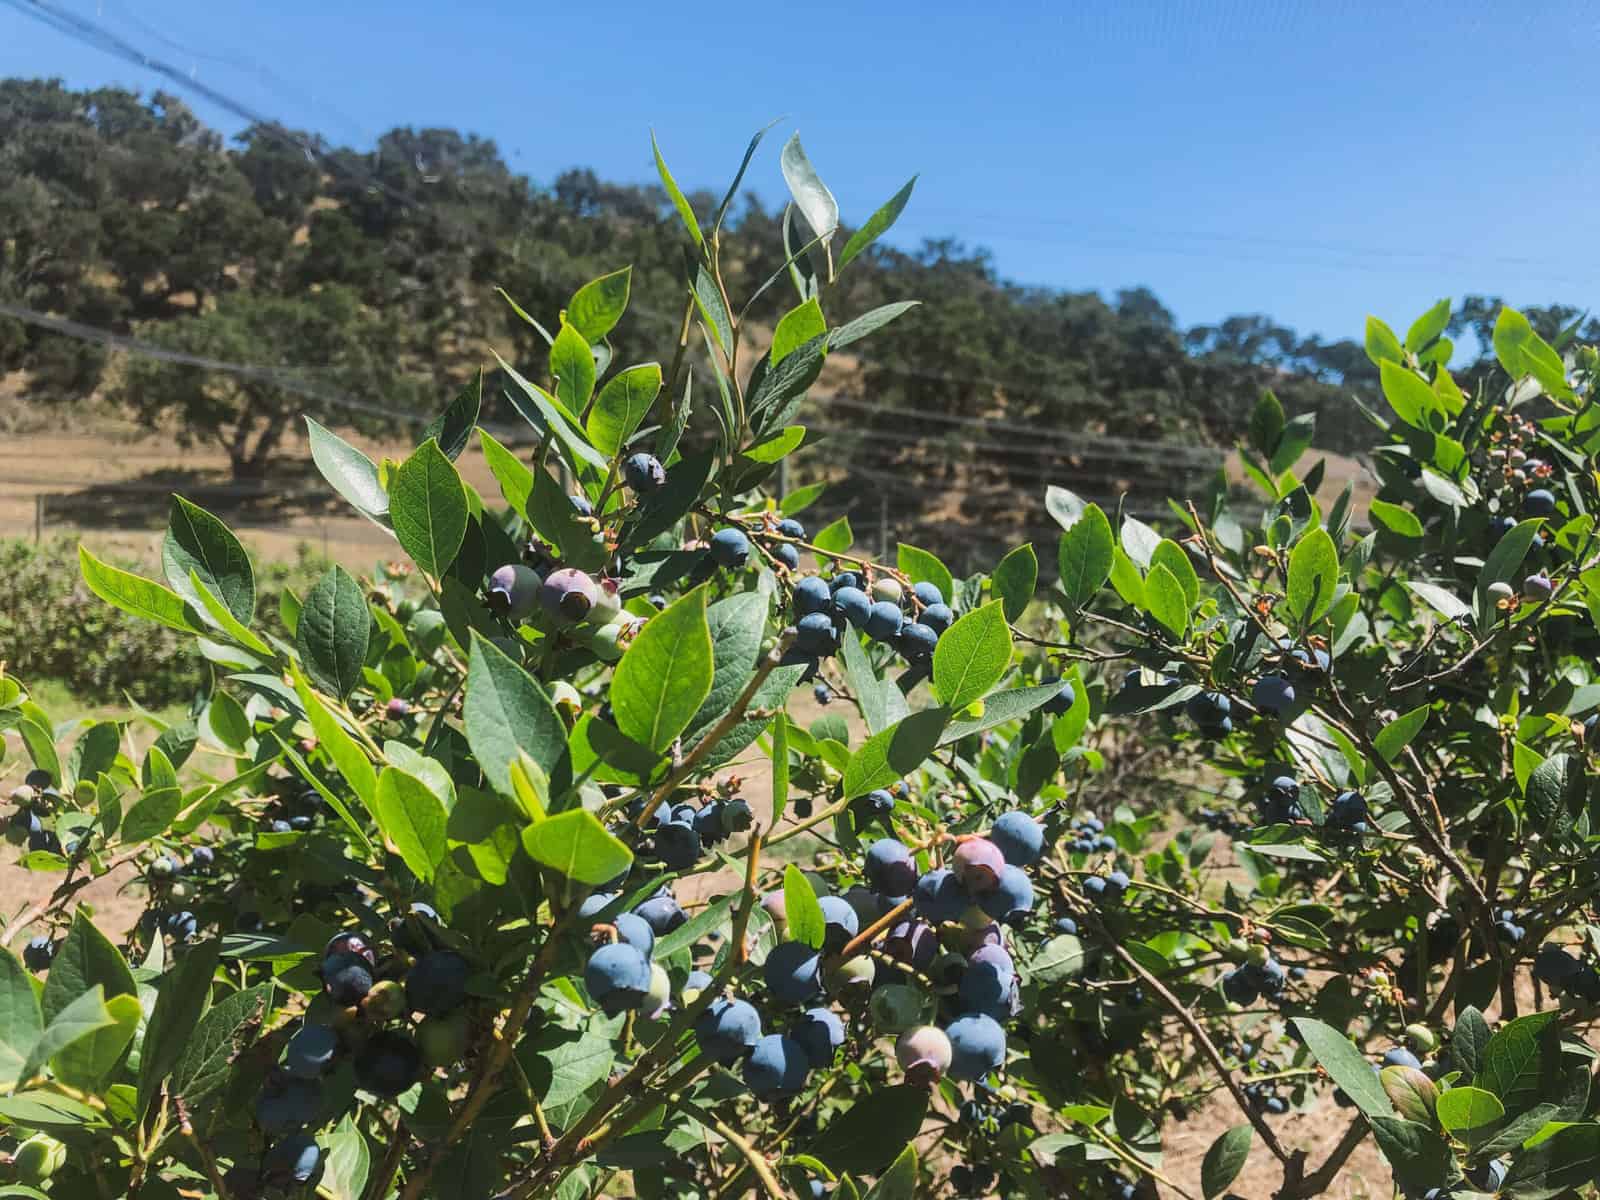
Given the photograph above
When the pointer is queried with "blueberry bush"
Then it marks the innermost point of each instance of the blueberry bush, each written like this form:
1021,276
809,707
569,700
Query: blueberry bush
516,871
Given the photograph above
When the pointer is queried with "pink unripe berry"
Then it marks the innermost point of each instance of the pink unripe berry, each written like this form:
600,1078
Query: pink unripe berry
978,863
923,1054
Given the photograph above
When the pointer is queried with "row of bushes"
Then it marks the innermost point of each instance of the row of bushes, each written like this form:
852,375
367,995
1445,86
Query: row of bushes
52,627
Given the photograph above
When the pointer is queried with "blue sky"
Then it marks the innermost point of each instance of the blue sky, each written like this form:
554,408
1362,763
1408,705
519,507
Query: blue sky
1312,161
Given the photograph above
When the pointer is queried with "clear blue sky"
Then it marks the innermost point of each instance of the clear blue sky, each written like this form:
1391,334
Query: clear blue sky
1312,159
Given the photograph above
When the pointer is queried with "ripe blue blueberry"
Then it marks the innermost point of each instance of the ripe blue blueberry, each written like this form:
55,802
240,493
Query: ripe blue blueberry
879,802
987,982
1399,1056
388,1063
938,618
786,554
790,528
940,897
730,548
1208,709
916,642
635,931
816,634
820,1033
643,473
822,693
889,868
1066,925
812,595
677,845
696,982
842,924
311,1051
844,579
977,1046
1552,965
868,904
38,779
594,904
581,505
514,590
202,859
1540,502
883,621
727,1029
912,942
181,926
663,914
1019,838
793,972
286,1103
1012,898
292,1162
617,977
437,982
1063,700
1116,883
1095,888
346,977
1273,694
36,955
853,605
777,1066
1240,987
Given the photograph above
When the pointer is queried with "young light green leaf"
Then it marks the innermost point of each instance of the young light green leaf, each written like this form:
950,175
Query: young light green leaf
1408,394
797,327
576,845
972,656
1395,519
1085,556
428,506
675,194
229,624
1397,734
665,674
1381,343
780,766
338,743
1428,326
835,537
333,632
572,368
598,305
1175,559
623,403
20,1020
896,752
412,818
136,595
1466,1108
801,910
1014,580
82,1018
1164,600
514,476
878,224
1313,576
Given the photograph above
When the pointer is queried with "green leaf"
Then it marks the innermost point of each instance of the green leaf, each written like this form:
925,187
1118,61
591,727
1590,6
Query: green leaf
1126,579
452,428
1382,345
675,194
1395,519
878,224
83,1017
1511,1060
1062,957
20,1020
1014,580
922,567
1266,425
1428,326
505,712
874,1130
1297,437
514,476
93,754
779,446
737,625
598,305
836,537
882,703
811,195
899,1182
339,744
1444,602
185,994
665,674
623,402
1568,1159
1397,734
802,912
484,826
896,752
1556,793
347,1162
1418,1155
780,766
797,327
351,472
197,541
1175,559
413,818
1085,556
868,323
428,506
972,656
1468,1108
1345,1066
572,368
1313,576
136,595
1224,1160
560,1067
230,1025
801,498
226,621
998,708
153,815
1164,600
1409,395
576,845
1506,558
333,632
548,415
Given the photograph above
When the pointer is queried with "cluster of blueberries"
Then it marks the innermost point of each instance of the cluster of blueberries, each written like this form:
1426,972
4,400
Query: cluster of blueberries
1261,975
1563,972
1267,1097
294,809
940,980
911,622
35,798
366,999
166,877
1089,836
682,832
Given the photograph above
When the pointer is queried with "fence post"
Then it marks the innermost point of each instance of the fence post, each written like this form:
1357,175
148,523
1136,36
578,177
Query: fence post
883,526
38,517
